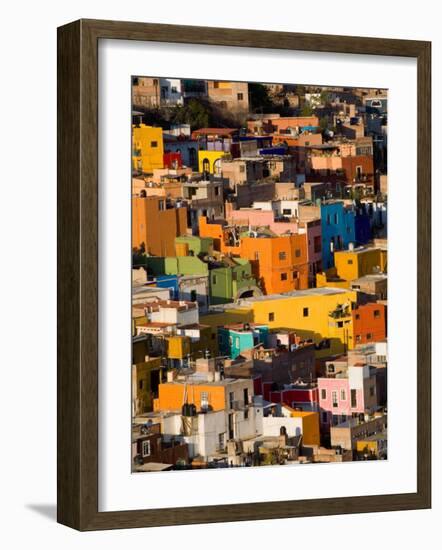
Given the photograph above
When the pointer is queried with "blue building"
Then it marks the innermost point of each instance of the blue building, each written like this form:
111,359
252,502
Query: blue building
362,228
338,229
191,288
233,339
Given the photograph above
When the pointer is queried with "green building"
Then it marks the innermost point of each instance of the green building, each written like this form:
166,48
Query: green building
195,245
231,280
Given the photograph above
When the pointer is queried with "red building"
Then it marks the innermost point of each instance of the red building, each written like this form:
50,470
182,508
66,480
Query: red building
298,396
173,161
369,323
358,169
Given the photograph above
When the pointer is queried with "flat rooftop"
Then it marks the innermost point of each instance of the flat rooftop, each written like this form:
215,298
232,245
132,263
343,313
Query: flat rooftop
373,277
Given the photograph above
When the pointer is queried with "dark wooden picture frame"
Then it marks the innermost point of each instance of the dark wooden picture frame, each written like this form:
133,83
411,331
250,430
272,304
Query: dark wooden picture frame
78,274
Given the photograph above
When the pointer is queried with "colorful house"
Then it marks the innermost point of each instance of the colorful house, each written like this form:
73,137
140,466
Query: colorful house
232,279
146,377
279,263
342,396
209,161
191,245
233,339
357,262
154,226
353,264
323,315
147,148
369,323
338,229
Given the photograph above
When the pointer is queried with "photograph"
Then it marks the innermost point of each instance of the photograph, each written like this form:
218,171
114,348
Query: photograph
259,274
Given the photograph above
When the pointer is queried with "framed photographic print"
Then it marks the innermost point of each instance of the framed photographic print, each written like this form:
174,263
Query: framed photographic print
243,275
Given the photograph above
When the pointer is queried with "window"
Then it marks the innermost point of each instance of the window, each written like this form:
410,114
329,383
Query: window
231,432
357,316
328,219
214,279
155,81
174,90
343,418
323,394
343,395
358,338
335,398
353,399
231,399
161,205
271,317
246,396
283,276
286,211
336,219
193,295
240,96
305,312
135,81
295,274
216,191
216,84
317,245
154,144
204,400
297,253
145,448
221,441
246,414
350,262
282,255
369,336
376,314
340,324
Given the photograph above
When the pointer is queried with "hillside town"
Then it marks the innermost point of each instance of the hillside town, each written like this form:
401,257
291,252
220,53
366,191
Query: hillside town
259,274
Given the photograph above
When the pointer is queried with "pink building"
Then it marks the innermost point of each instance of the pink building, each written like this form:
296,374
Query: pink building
347,394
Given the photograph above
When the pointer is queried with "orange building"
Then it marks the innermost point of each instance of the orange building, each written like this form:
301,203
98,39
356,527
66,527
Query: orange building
218,395
369,323
279,263
155,227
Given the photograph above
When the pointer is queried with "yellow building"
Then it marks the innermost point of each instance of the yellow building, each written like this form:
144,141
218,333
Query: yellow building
225,316
310,426
352,264
208,161
147,375
178,347
322,314
147,148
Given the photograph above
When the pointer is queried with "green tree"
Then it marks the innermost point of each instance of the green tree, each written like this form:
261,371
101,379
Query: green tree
259,98
195,113
306,110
